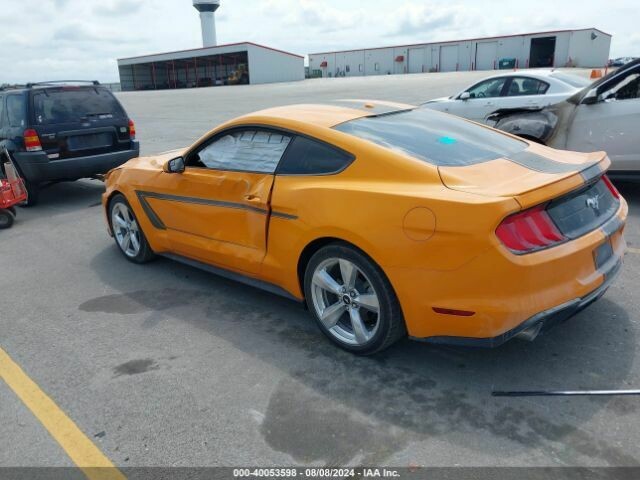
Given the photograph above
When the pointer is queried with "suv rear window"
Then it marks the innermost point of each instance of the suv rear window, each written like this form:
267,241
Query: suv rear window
70,105
434,137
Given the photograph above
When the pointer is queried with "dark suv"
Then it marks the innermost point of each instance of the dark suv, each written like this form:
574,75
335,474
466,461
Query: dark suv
58,131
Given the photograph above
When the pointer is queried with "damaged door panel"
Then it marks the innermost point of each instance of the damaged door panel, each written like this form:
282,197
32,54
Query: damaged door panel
604,116
537,124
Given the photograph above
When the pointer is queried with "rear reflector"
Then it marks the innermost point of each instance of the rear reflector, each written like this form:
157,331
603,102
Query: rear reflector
32,141
450,311
612,188
132,130
529,231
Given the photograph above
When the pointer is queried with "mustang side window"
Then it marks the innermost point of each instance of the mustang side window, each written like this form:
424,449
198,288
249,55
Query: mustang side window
309,157
244,150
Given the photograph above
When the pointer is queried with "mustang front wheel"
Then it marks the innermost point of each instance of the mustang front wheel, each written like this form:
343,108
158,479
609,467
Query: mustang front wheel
127,232
352,300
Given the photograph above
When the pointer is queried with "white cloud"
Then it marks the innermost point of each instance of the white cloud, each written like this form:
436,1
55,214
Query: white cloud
118,8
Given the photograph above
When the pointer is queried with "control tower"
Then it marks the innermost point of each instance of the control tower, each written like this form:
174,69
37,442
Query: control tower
207,9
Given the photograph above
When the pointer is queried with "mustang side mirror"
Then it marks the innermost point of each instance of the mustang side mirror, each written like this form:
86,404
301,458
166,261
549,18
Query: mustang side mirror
465,96
175,165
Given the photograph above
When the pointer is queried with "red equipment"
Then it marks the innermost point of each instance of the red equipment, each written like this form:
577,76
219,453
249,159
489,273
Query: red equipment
12,192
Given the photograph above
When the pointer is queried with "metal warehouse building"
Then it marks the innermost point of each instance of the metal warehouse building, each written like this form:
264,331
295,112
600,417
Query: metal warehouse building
580,48
232,64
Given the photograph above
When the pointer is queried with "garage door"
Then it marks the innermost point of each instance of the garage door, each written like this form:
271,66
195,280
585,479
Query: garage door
416,60
449,58
434,61
486,55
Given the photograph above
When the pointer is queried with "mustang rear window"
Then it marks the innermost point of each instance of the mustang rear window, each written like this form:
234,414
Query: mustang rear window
434,137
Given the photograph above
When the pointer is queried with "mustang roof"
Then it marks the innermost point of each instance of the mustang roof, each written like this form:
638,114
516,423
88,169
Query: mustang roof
329,114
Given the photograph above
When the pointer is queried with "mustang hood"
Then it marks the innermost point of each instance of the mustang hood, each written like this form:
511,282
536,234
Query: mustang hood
531,177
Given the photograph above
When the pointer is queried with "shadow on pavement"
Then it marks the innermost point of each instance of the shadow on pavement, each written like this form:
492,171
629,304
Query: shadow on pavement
412,391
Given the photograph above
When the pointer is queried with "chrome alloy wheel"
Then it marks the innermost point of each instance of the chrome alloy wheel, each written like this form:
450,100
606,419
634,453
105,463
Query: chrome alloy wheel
345,301
125,229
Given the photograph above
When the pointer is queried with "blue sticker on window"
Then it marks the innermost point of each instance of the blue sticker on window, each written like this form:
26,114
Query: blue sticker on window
447,140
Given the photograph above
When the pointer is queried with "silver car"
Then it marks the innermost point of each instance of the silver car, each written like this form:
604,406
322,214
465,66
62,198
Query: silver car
530,89
604,116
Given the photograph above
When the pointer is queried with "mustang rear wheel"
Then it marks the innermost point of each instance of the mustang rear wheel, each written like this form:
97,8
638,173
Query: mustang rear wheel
127,232
352,300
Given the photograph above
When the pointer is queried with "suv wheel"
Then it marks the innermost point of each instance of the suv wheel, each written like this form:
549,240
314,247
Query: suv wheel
33,194
352,300
127,232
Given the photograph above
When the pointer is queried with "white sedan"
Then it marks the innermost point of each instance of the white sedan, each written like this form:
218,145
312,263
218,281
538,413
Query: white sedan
531,89
603,116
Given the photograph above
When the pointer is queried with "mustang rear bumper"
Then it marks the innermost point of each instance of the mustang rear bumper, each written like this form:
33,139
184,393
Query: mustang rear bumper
546,293
541,322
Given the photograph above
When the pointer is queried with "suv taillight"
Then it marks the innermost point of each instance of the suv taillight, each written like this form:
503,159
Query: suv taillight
32,141
529,231
132,130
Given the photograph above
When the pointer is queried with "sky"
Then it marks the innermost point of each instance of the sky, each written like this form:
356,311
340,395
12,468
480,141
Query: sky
81,39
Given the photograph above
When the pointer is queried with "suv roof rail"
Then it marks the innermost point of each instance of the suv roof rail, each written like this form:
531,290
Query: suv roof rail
60,82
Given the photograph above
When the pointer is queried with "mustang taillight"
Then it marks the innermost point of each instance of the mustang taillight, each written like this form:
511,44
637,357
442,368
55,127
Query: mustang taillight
529,231
32,141
614,191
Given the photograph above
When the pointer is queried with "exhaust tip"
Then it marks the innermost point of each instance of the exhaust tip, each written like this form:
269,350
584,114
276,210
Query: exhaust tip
530,334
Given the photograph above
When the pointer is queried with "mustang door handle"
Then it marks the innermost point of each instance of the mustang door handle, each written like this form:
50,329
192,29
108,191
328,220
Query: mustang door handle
252,199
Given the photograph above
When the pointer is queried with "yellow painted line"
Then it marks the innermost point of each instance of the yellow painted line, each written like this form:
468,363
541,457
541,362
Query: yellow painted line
80,449
634,250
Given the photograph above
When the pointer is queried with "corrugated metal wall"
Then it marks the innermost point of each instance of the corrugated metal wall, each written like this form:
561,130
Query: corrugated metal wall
573,48
270,66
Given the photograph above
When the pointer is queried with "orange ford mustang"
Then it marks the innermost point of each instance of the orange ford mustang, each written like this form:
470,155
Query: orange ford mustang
386,219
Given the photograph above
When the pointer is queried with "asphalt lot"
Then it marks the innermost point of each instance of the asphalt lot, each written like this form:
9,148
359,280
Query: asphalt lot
165,365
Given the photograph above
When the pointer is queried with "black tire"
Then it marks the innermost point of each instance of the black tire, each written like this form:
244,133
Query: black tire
144,253
390,321
33,194
6,219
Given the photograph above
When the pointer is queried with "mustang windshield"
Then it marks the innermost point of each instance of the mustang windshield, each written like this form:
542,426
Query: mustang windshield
434,137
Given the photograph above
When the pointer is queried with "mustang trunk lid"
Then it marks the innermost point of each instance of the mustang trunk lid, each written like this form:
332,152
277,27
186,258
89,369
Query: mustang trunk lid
533,176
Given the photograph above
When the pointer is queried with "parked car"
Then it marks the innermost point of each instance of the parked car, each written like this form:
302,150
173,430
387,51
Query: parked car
386,219
59,131
604,116
537,88
619,62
